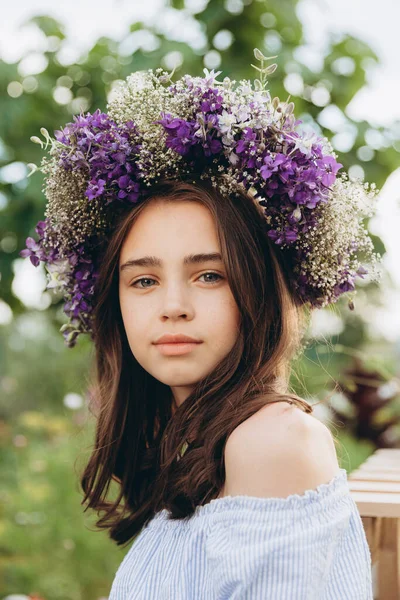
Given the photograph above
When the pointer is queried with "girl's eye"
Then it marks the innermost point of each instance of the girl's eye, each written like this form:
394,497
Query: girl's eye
210,273
149,279
143,279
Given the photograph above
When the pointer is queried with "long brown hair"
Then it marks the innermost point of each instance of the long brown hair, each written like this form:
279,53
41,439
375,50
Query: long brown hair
139,439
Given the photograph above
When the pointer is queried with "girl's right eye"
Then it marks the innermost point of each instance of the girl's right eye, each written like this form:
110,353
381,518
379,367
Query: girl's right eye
142,279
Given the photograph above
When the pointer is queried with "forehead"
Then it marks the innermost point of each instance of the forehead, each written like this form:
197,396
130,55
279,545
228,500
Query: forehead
172,228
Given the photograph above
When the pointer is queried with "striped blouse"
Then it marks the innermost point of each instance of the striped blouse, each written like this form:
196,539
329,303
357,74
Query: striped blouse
303,547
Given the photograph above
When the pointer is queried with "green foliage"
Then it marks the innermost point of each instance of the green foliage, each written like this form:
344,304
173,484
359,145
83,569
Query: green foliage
49,546
351,452
37,372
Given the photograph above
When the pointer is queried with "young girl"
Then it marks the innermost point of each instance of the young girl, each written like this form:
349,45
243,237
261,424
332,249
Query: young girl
228,486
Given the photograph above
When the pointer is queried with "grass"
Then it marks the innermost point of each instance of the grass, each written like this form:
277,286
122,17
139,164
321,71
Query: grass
49,546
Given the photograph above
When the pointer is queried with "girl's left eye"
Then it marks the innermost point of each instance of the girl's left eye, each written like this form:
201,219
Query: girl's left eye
210,273
149,279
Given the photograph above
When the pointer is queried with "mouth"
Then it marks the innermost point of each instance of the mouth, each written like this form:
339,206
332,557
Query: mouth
177,348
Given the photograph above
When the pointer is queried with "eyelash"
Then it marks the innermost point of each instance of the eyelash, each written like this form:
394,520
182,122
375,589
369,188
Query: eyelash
149,278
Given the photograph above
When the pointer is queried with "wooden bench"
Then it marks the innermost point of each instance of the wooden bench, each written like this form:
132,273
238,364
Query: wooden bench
375,487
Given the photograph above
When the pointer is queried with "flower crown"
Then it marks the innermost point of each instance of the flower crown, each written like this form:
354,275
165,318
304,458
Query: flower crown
237,137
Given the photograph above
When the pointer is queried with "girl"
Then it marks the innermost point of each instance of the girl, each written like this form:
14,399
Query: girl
256,506
228,486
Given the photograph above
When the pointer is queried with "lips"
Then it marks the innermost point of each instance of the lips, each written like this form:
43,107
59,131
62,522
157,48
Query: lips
177,348
178,338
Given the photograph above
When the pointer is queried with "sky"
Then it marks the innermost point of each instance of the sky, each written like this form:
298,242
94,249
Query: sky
378,102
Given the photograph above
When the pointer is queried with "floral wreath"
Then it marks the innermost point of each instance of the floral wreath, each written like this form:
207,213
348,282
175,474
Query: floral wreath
235,136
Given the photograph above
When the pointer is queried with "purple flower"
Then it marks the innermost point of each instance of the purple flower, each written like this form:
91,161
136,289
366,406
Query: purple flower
119,157
196,139
293,180
131,193
124,181
211,101
105,150
345,286
32,248
83,278
95,188
35,250
273,164
361,271
211,146
246,148
329,167
287,236
180,133
41,228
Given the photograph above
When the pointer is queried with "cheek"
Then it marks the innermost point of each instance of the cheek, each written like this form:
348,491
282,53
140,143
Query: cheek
225,320
233,322
134,318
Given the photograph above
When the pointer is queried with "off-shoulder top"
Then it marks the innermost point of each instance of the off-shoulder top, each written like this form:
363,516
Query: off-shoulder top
303,547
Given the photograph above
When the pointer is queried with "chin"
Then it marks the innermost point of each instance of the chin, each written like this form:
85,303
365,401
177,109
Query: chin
180,380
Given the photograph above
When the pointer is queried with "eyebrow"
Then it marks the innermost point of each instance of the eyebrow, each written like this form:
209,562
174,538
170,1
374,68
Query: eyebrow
154,261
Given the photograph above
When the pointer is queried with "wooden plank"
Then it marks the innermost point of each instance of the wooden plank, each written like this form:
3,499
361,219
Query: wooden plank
374,486
373,528
382,462
389,557
365,476
383,459
376,468
376,504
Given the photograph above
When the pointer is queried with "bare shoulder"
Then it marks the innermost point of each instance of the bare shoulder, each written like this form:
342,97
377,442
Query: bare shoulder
278,451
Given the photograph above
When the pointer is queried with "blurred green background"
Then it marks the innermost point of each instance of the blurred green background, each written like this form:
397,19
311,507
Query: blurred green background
48,548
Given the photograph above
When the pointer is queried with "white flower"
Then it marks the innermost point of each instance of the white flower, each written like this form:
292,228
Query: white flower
304,143
243,113
210,76
297,213
58,271
226,120
245,87
233,158
62,265
226,83
228,140
262,97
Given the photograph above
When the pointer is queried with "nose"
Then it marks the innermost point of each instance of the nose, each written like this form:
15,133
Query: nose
176,302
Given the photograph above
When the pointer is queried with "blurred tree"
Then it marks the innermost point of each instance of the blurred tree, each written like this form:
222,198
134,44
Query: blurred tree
371,396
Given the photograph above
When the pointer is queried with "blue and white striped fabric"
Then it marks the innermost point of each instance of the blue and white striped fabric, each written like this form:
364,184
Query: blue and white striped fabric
302,547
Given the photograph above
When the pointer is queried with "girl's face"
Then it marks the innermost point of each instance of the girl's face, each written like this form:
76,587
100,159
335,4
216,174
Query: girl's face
171,295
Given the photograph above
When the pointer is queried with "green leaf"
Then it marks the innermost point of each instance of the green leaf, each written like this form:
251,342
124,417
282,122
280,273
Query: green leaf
136,26
258,54
178,4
